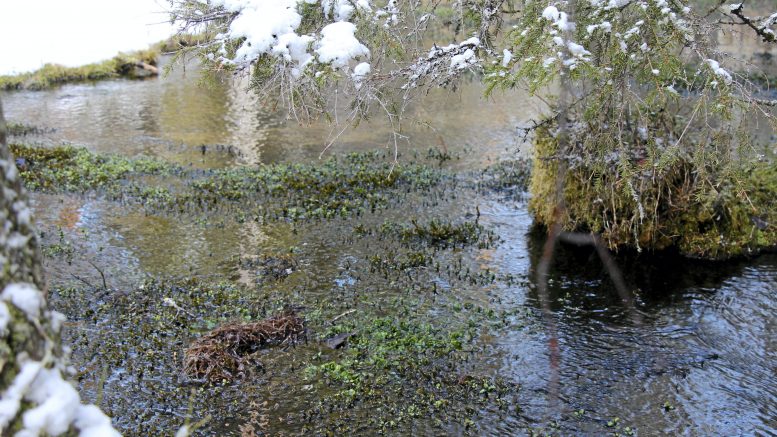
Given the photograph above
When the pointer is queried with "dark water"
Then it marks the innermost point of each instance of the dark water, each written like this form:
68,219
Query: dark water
702,362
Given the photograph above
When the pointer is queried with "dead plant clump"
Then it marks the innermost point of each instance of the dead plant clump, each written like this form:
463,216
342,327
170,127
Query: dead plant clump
229,351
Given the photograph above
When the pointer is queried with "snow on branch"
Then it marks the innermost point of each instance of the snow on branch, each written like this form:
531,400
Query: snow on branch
281,29
762,26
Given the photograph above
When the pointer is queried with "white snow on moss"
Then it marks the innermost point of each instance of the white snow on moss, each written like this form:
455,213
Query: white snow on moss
25,297
53,406
5,317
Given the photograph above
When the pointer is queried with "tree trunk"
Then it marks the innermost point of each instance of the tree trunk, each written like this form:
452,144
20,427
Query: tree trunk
35,398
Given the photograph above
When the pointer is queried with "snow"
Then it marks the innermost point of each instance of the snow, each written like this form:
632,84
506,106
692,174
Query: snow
577,50
12,397
719,71
551,13
461,61
271,27
262,23
507,56
474,41
17,241
57,319
57,403
361,70
5,317
25,297
339,46
559,19
343,9
54,404
93,423
294,48
23,215
183,431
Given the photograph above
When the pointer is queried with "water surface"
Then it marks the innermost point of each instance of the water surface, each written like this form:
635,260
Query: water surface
701,363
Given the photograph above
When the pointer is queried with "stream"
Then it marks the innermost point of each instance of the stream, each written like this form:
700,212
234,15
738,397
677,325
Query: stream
702,362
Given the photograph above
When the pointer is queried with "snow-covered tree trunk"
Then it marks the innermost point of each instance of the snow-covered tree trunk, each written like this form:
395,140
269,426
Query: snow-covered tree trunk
36,398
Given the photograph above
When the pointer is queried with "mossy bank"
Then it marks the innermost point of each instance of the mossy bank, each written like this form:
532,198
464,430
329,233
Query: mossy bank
130,65
719,216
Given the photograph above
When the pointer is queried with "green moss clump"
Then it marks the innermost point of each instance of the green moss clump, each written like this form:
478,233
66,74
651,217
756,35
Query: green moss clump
21,129
663,208
69,168
121,65
442,234
181,41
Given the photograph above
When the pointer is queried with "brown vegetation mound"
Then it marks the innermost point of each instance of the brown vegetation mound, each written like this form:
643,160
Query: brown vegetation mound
225,352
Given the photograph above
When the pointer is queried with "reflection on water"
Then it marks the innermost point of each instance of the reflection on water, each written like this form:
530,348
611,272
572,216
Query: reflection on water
174,116
700,364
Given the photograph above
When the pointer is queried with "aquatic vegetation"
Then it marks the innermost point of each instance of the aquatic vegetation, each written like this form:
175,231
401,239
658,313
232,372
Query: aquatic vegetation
393,261
391,359
672,207
67,168
121,65
443,234
270,266
228,352
339,187
21,129
510,177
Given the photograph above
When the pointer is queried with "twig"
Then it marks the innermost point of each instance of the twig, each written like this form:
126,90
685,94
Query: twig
351,311
102,275
760,31
89,284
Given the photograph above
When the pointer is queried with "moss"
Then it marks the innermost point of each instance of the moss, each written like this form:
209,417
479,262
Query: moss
351,185
121,65
76,169
20,129
738,217
181,41
443,234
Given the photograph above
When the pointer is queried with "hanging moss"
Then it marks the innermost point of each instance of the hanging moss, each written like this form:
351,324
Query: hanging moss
738,216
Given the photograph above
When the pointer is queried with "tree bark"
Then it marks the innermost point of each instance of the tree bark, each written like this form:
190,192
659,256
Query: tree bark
35,398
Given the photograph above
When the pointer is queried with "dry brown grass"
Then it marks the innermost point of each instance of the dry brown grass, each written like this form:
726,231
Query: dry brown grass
229,352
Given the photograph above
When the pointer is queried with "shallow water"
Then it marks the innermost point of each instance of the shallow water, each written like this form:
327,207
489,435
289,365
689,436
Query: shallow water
702,362
175,116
